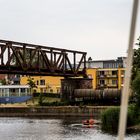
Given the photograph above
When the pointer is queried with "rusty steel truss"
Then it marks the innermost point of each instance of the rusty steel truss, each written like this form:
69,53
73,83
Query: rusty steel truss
29,59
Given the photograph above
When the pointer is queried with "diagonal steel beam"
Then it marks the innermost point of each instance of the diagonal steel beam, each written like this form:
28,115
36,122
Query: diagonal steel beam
46,60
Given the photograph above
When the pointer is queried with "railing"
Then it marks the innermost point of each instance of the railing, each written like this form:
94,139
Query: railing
111,76
112,85
101,86
101,75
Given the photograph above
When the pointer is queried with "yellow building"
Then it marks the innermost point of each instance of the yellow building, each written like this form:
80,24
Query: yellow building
105,74
45,84
104,78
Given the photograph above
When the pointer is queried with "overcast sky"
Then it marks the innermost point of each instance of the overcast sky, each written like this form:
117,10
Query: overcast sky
99,27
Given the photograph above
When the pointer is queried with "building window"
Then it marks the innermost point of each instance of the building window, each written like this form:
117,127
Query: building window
51,90
114,72
114,82
42,82
22,90
102,82
122,79
102,73
37,82
12,90
122,72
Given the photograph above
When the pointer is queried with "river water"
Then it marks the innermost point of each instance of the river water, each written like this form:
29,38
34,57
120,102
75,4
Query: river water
52,129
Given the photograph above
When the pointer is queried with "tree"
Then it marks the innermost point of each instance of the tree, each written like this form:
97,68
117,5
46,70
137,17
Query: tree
136,87
31,84
3,81
136,74
136,60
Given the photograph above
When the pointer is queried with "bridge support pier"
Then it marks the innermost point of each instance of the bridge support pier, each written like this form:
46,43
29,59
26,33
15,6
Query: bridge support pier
68,86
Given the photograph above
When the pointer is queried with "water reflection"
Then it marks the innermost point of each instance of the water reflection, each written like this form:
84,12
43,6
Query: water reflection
52,129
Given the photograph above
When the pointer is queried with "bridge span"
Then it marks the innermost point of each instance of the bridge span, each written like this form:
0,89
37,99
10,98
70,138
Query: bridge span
30,59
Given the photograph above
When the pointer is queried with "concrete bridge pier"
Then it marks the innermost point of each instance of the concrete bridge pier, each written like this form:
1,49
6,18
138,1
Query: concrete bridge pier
68,85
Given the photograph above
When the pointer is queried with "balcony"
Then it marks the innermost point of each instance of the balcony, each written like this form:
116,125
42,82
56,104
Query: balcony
101,86
102,76
111,76
112,85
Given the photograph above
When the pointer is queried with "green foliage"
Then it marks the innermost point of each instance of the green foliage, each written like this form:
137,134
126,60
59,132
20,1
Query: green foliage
136,60
41,99
138,43
131,117
54,103
54,95
3,82
136,77
110,118
31,83
136,88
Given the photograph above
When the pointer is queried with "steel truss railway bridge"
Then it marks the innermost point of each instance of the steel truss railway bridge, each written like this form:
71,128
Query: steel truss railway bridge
30,59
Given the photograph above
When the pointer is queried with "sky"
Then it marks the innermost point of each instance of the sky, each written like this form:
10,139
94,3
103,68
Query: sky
98,27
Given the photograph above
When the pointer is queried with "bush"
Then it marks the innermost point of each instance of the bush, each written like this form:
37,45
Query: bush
41,99
110,118
131,119
54,103
136,111
55,95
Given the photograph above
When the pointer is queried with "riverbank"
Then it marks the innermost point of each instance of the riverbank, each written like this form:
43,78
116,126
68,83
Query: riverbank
135,127
34,111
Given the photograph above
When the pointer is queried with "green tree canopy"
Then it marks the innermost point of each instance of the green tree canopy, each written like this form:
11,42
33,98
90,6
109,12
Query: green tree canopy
136,73
136,60
136,87
31,83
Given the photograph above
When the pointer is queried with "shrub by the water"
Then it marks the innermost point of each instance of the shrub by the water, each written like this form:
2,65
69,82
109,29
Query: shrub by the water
110,118
54,103
55,95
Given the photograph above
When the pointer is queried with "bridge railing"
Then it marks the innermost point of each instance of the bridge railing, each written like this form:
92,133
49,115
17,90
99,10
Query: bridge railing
30,59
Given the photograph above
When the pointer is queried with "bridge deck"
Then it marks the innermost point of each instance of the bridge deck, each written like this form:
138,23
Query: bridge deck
30,59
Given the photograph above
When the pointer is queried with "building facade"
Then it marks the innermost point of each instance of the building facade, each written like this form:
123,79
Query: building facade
106,74
45,84
120,62
106,78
